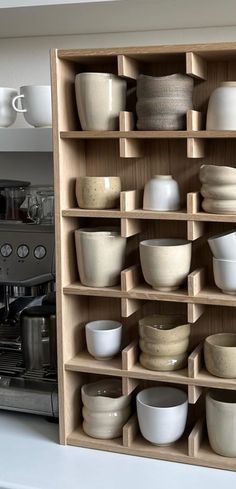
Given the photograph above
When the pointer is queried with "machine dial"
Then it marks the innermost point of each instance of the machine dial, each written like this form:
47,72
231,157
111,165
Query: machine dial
22,251
40,252
6,250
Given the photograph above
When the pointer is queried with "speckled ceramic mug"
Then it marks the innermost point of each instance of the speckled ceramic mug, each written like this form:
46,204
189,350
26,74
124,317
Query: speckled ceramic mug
98,192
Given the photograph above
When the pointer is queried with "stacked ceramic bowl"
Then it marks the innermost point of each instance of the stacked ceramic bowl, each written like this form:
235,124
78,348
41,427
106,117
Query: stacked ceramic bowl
163,342
105,409
162,102
223,247
218,189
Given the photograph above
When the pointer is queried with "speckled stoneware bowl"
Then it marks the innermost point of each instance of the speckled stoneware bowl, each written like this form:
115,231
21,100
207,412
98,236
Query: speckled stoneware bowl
98,192
164,341
220,355
162,102
105,409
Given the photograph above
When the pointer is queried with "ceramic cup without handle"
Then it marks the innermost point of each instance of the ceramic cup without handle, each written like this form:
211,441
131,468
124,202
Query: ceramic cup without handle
7,113
100,97
161,193
220,355
223,246
225,275
36,105
103,338
162,414
100,256
221,114
221,421
98,192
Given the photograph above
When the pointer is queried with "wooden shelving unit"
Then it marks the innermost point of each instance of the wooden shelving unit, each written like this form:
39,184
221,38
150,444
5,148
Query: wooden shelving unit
135,156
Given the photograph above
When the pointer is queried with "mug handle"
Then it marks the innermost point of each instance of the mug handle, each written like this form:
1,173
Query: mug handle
33,213
14,104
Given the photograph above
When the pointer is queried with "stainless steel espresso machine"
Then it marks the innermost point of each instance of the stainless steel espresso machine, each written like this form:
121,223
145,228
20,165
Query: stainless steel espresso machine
28,379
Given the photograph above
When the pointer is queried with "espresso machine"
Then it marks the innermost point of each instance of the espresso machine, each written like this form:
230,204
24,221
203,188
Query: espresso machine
28,378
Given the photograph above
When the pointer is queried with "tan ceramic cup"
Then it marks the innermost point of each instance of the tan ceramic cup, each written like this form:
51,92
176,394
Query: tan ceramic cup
220,355
221,421
98,192
100,97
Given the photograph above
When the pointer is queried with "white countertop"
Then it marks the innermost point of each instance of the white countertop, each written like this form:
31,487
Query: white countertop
30,457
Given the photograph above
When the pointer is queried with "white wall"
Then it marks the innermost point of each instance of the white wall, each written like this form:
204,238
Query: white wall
25,61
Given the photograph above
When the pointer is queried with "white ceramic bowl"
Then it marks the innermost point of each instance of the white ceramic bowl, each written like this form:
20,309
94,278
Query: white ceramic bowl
100,256
165,262
221,114
221,421
162,414
7,113
219,175
103,338
161,193
225,275
223,246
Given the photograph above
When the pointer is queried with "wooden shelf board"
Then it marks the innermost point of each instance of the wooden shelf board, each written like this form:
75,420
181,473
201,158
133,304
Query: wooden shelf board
77,288
208,458
146,292
177,376
205,379
213,296
205,216
147,134
76,212
84,362
79,438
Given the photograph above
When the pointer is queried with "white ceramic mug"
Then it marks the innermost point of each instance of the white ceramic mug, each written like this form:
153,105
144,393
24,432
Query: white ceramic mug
223,246
103,338
36,105
7,114
161,193
100,97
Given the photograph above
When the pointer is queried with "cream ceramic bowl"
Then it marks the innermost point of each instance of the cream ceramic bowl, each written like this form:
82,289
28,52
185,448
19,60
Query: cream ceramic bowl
164,341
103,338
221,114
165,262
161,193
223,246
218,192
220,355
98,192
221,421
100,256
225,275
162,414
105,410
215,206
100,97
219,175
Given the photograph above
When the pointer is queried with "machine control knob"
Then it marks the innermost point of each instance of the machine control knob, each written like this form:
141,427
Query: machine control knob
40,252
6,250
22,251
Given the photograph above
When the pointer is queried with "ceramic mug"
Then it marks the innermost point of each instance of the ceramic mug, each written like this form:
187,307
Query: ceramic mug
100,97
161,193
7,114
103,338
36,105
221,421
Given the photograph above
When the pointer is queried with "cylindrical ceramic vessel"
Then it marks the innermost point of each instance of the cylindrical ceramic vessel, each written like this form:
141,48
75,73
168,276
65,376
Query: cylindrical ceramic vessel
103,338
162,414
221,421
98,192
220,355
161,193
225,275
100,256
7,113
162,102
223,246
164,342
36,104
105,410
100,97
221,113
165,262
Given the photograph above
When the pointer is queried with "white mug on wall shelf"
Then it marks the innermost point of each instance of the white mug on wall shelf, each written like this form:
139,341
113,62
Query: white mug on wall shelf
36,105
7,114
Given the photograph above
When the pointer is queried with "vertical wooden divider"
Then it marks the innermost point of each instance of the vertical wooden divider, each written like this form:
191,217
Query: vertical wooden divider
195,438
195,361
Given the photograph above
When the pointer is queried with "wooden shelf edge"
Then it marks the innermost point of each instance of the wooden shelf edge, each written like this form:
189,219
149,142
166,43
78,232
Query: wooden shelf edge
147,134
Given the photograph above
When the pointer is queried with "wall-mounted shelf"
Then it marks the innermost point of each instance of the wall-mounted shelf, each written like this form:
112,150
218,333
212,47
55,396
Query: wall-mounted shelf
26,139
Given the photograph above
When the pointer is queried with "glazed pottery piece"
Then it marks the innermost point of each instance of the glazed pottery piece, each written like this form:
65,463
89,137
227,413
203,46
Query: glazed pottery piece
100,256
103,338
214,206
36,105
165,262
162,414
220,355
161,193
100,97
164,341
225,275
218,192
221,421
218,175
105,410
223,246
162,102
218,189
221,113
98,192
7,113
